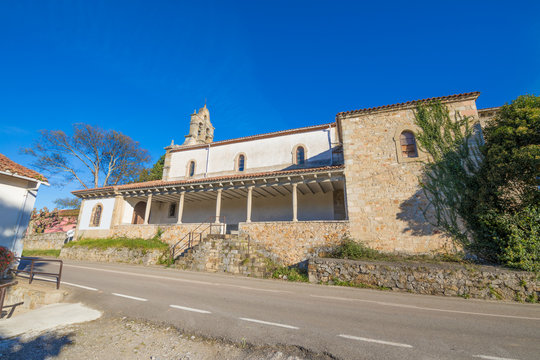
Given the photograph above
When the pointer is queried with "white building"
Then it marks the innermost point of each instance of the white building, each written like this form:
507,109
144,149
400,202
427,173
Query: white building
294,191
18,191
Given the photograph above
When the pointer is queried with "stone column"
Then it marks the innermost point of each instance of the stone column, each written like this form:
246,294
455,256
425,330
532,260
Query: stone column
180,207
218,205
147,211
118,210
249,201
294,202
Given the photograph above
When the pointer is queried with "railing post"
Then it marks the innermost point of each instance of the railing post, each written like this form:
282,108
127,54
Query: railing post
31,271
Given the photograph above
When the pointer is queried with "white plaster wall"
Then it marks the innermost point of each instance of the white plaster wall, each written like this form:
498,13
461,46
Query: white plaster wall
127,216
106,216
264,154
279,208
16,204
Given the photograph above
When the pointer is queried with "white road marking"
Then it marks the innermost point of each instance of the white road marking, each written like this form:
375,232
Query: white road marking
176,279
130,297
375,341
269,323
425,308
65,283
190,309
80,286
487,357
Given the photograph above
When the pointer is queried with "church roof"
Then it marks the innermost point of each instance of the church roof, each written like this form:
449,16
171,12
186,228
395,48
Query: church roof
409,104
162,183
11,167
255,137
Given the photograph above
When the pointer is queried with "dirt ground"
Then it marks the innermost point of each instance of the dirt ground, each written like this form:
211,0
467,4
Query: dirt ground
122,338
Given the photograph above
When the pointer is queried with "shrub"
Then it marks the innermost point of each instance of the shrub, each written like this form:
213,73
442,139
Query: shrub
6,258
350,249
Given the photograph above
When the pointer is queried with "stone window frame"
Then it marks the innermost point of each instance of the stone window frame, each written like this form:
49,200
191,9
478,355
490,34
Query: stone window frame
397,142
93,215
294,157
188,168
237,162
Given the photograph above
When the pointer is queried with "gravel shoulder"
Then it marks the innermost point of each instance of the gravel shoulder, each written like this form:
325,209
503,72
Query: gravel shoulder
123,338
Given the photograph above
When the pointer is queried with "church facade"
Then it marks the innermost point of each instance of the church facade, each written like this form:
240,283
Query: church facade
295,192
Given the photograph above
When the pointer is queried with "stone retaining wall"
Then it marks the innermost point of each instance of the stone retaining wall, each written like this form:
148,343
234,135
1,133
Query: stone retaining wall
291,243
44,241
122,255
484,282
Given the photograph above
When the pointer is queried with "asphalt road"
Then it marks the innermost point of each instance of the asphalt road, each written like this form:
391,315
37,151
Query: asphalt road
347,323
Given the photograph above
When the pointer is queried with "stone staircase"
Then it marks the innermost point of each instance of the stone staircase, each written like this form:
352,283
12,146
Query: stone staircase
231,253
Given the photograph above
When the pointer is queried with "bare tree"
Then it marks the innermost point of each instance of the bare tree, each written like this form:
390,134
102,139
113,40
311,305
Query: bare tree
87,154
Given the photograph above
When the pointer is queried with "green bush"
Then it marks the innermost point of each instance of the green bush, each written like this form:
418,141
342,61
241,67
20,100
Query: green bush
291,274
350,249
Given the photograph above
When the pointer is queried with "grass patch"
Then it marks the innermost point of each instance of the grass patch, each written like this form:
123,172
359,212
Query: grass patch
49,252
121,242
355,250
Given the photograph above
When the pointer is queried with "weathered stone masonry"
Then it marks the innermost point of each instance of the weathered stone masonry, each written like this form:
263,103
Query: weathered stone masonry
382,188
485,282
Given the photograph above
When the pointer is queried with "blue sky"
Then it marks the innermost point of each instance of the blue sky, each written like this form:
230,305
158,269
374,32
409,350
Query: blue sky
141,67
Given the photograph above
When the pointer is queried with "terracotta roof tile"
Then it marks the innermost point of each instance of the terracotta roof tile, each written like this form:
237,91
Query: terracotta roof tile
154,183
12,167
408,103
253,137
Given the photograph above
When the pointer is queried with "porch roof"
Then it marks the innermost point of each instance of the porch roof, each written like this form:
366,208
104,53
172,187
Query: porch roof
226,182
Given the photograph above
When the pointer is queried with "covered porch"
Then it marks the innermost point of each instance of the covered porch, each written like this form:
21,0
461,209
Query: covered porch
280,196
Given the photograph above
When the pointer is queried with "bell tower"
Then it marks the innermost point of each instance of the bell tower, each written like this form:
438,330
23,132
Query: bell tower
201,130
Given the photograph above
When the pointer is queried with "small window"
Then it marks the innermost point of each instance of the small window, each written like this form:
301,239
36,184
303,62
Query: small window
241,162
408,144
191,168
95,219
200,129
172,210
300,155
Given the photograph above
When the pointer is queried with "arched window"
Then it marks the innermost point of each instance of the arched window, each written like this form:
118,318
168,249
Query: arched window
95,219
300,155
408,144
200,129
241,162
191,168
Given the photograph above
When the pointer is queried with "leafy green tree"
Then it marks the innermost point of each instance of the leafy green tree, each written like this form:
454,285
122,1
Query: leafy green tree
153,173
486,196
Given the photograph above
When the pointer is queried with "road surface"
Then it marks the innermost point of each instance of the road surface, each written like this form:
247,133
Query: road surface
346,323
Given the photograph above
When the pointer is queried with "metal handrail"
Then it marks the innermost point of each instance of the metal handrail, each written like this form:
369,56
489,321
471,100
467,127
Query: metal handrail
190,235
31,272
3,289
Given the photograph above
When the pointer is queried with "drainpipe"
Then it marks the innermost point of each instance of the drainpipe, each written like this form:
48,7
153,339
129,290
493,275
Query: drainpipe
330,144
207,160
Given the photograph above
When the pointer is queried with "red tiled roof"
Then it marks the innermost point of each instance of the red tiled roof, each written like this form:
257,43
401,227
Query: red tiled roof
12,167
254,137
409,103
154,183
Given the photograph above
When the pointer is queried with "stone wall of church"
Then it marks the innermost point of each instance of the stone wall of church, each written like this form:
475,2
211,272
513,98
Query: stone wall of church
291,243
384,199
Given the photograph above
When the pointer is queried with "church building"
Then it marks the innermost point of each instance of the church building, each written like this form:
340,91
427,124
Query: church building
295,192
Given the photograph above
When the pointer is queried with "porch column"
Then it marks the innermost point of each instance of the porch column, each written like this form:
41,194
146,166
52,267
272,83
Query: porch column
147,211
249,200
218,205
180,207
294,202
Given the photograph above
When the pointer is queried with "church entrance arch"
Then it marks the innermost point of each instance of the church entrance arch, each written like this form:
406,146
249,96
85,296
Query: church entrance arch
138,213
